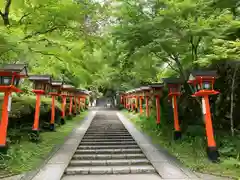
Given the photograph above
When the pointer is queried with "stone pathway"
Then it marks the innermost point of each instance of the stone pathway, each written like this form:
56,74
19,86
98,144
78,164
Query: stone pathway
108,146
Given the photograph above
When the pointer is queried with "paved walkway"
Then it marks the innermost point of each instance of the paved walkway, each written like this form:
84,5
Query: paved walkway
63,166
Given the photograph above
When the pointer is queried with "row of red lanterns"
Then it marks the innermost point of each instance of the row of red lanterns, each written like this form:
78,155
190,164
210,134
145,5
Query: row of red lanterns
201,82
11,76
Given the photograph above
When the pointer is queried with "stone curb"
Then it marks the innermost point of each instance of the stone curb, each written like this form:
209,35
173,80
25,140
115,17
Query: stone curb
166,165
43,170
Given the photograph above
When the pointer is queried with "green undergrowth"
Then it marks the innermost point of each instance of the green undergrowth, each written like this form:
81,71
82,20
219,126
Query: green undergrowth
27,156
191,150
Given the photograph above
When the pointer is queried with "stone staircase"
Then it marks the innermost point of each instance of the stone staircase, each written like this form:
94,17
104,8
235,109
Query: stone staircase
108,148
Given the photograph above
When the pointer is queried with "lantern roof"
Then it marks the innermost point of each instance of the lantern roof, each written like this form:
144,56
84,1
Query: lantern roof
57,83
79,91
156,85
19,68
87,92
138,90
203,73
68,86
47,78
173,80
120,92
131,91
143,88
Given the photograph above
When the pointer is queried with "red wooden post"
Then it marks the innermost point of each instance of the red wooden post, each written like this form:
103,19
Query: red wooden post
55,91
70,106
208,123
132,103
158,109
52,122
140,105
126,102
75,105
147,106
84,102
64,98
79,104
37,112
177,133
4,120
136,103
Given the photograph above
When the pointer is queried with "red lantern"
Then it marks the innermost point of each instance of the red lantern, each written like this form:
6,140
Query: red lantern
202,82
157,91
174,88
41,85
10,76
66,91
146,94
55,91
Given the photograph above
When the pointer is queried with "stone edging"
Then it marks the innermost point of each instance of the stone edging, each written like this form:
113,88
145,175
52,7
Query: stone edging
86,121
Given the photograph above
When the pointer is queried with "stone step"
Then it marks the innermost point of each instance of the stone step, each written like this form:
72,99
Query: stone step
94,124
120,126
140,169
107,156
108,143
107,127
107,151
106,136
108,147
153,176
106,140
111,162
107,131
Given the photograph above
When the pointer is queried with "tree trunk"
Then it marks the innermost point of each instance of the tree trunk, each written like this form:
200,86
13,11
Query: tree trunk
6,20
232,101
5,14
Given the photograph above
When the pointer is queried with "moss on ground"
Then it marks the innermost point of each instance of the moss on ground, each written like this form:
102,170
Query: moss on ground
24,155
191,151
27,156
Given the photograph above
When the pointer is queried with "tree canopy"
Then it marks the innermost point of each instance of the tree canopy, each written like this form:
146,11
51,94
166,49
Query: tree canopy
118,44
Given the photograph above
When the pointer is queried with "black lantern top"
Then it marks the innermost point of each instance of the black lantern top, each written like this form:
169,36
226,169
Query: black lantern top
172,80
41,83
78,92
20,69
87,92
156,85
145,88
67,90
174,85
82,93
10,75
202,82
128,93
121,93
204,73
56,87
156,88
138,92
